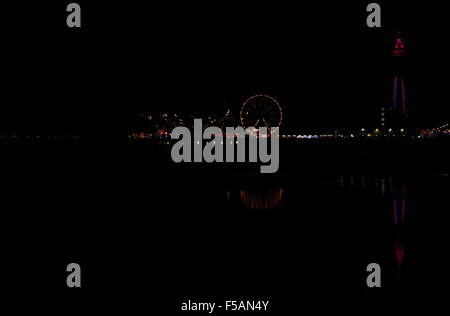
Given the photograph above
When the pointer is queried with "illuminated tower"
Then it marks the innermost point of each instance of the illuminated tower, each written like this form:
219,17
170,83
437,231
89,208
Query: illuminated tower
398,115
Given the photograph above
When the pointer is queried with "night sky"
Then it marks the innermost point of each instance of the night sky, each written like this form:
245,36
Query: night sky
321,62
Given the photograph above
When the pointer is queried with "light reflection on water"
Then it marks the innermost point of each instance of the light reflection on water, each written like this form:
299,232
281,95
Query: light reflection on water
390,193
266,199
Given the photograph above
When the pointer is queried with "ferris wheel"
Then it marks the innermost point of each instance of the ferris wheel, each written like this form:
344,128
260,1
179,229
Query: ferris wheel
261,111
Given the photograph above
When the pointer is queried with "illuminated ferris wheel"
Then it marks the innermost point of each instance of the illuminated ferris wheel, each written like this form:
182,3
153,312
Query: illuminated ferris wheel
261,111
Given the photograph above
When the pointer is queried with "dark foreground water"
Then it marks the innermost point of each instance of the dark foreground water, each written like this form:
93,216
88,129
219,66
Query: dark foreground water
139,224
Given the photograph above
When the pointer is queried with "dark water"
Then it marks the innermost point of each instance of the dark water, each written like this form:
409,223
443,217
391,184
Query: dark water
139,224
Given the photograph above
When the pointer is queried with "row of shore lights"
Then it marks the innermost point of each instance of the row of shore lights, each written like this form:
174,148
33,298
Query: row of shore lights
390,130
377,131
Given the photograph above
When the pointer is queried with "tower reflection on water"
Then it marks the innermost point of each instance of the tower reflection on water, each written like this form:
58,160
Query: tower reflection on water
394,192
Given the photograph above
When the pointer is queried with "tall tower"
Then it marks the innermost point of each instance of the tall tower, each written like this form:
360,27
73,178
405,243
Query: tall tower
398,112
